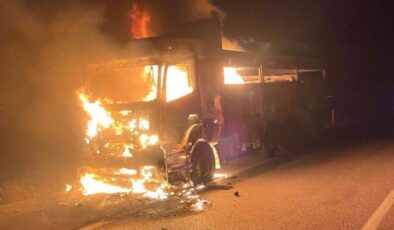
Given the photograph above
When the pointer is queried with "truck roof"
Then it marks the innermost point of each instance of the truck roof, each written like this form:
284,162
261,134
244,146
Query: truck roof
171,50
203,39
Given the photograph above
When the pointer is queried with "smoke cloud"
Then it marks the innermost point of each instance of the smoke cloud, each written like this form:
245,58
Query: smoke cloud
201,9
45,52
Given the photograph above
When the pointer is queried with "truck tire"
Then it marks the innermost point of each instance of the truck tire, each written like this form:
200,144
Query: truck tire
202,163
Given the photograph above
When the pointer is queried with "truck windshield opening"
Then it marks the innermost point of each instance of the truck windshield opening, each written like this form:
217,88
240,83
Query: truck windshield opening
137,83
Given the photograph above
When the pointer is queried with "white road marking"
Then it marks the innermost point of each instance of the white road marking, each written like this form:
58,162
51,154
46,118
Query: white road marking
377,217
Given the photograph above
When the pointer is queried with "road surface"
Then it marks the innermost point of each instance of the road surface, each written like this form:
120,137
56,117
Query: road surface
346,187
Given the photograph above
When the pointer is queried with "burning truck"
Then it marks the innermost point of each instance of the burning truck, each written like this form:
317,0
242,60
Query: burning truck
180,107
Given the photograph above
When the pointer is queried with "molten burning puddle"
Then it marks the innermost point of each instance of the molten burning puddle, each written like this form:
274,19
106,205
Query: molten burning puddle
123,181
91,184
144,183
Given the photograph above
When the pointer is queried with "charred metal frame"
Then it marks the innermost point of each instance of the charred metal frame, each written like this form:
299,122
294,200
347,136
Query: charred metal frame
208,85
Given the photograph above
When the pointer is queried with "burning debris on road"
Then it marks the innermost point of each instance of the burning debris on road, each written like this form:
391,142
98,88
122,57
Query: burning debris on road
145,187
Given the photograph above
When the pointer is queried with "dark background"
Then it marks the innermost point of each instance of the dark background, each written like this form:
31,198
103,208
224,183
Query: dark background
45,45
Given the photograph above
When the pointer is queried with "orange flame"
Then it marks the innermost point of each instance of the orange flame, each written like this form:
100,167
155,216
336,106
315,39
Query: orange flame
101,119
231,77
230,44
92,183
154,70
140,20
177,83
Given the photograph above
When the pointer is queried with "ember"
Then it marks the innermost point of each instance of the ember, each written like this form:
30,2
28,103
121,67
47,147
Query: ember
199,205
68,187
127,151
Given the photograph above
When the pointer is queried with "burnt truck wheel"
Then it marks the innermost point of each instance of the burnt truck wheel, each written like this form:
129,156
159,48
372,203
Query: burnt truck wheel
202,163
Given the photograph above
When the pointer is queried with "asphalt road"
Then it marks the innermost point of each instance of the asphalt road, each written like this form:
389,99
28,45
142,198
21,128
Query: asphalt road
344,187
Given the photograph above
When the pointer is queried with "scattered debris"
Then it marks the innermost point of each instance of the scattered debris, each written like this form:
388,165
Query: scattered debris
200,187
218,176
200,204
219,186
237,194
